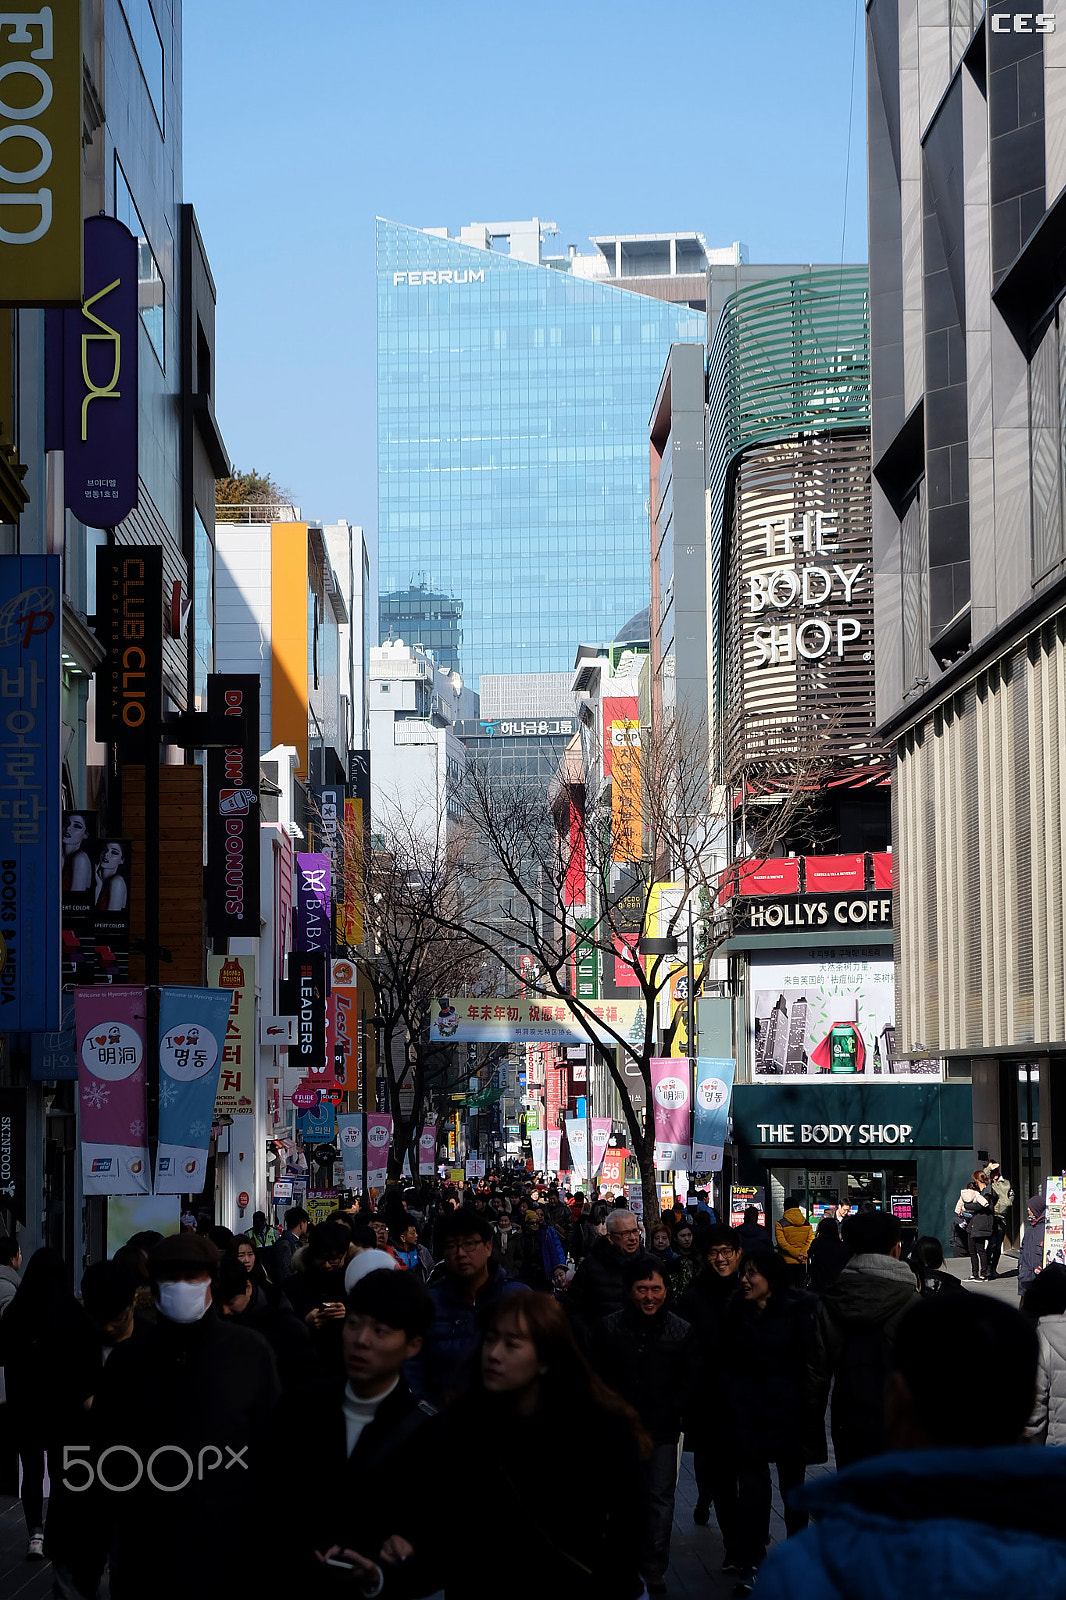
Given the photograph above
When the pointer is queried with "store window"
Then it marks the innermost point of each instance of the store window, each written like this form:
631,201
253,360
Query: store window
151,293
149,50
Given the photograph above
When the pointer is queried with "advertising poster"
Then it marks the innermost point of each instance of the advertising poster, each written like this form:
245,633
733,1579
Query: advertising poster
635,1197
827,1014
192,1037
113,1090
111,911
378,1139
77,873
671,1101
743,1196
345,999
54,1055
320,1204
554,1149
537,1145
468,1020
614,1169
714,1086
303,995
31,687
350,1139
231,883
236,1078
1054,1223
318,1125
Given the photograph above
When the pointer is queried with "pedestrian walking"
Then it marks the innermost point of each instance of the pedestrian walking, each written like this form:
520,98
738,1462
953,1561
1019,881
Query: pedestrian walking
854,1326
752,1233
958,1502
507,1244
1003,1200
769,1419
293,1238
251,1257
1031,1254
926,1262
406,1247
597,1289
467,1282
315,1289
267,1311
650,1357
976,1206
795,1236
828,1255
703,1307
1047,1425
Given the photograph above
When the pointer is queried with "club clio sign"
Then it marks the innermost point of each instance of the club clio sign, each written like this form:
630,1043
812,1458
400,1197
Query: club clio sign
40,155
812,585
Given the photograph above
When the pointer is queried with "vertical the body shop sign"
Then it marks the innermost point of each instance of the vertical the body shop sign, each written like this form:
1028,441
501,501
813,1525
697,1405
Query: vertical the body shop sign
129,624
233,811
40,155
30,689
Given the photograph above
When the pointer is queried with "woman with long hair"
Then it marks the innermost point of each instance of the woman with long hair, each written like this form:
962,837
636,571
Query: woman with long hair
976,1203
531,1388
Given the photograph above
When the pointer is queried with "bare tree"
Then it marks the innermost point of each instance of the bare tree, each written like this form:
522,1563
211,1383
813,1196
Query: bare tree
418,953
588,865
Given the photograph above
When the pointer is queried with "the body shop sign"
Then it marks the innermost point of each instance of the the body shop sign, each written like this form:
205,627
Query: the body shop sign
803,575
41,155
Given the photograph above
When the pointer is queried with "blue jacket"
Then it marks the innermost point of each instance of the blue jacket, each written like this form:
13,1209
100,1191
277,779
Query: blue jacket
950,1523
453,1335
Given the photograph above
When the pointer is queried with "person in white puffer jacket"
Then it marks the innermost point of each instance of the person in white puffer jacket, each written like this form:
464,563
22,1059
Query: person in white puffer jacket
1047,1425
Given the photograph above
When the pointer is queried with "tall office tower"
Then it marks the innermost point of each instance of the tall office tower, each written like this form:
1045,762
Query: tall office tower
514,391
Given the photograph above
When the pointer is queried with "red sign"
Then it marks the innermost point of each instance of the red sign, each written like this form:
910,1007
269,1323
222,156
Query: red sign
242,1200
835,874
305,1099
621,727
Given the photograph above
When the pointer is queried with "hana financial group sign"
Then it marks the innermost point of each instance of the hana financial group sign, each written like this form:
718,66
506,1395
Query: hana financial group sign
40,156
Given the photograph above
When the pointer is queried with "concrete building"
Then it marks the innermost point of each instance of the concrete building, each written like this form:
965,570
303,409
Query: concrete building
417,759
967,187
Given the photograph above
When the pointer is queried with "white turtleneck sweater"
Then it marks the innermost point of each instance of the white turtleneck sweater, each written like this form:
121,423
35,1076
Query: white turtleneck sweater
358,1413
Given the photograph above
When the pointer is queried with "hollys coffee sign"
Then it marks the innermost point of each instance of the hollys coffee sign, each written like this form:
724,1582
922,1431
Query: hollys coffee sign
233,809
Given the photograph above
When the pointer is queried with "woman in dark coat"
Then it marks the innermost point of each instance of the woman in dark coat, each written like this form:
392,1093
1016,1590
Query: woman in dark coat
765,1343
828,1255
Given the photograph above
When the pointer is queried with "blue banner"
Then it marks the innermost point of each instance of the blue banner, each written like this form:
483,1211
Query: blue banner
318,1126
714,1088
55,1055
192,1032
30,689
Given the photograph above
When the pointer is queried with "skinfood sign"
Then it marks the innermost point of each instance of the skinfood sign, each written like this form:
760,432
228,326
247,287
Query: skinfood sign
810,912
40,156
808,576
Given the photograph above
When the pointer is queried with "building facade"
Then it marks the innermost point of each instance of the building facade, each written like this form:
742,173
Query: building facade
513,400
417,759
967,164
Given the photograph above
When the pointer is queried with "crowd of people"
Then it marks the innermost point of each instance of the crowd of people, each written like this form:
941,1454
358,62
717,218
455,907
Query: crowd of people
402,1383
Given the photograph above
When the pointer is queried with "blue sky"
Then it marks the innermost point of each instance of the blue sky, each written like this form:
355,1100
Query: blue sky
302,123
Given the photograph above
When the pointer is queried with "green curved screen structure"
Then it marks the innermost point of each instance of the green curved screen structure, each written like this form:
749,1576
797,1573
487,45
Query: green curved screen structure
789,357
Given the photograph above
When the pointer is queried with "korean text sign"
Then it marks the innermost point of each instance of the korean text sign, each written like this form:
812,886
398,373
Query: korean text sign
113,1089
192,1038
30,691
236,1079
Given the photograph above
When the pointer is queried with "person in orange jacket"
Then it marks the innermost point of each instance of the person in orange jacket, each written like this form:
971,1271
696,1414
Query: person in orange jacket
794,1236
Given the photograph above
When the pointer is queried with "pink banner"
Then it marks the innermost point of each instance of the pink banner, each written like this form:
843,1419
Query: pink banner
555,1148
672,1100
378,1138
427,1150
601,1135
110,1026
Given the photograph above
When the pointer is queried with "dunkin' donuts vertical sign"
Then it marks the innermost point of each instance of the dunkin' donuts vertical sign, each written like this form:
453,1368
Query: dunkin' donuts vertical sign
233,810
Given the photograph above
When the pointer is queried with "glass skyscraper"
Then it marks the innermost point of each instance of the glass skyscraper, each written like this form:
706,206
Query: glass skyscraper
513,404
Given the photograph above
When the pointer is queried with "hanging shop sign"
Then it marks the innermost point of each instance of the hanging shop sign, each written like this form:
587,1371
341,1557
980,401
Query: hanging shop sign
13,1153
232,879
129,625
427,1150
467,1019
303,994
31,686
113,1089
101,405
806,912
192,1037
314,913
54,1055
41,155
820,1015
112,860
236,1079
378,1139
78,891
859,1117
801,575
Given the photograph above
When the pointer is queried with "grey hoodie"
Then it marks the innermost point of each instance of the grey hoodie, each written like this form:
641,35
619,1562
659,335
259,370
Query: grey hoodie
1047,1424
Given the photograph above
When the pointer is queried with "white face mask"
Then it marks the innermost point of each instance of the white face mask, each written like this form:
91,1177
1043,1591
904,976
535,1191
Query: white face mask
182,1301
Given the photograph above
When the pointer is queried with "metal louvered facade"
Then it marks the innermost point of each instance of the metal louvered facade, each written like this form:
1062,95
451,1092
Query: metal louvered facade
789,525
980,832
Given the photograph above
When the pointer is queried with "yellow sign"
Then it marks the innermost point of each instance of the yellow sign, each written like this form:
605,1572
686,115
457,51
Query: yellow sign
236,1078
40,156
626,806
679,1045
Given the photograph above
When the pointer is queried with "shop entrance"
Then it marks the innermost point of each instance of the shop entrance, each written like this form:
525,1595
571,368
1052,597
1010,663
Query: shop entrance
819,1190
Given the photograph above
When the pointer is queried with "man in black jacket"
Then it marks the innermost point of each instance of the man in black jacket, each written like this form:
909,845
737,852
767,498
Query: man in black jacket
372,1423
596,1289
703,1307
184,1423
649,1356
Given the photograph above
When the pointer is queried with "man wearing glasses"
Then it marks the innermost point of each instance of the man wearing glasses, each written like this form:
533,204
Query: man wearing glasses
467,1280
703,1307
597,1290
